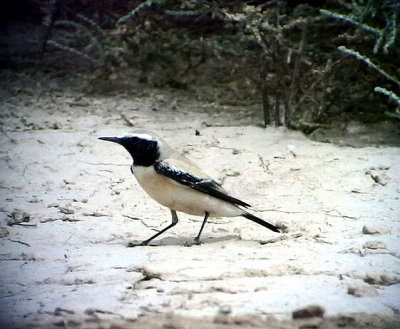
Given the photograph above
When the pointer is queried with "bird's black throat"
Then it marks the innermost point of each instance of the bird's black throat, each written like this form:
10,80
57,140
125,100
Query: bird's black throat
144,152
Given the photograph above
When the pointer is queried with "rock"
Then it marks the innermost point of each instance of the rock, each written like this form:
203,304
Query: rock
374,245
380,178
18,217
379,175
367,229
309,312
231,173
382,279
61,311
282,226
66,210
94,214
56,125
225,309
362,290
149,274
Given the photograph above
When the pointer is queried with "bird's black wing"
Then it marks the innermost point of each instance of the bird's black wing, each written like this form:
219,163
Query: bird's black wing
179,172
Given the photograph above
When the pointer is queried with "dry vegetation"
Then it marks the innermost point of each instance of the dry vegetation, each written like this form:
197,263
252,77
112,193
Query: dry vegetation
287,55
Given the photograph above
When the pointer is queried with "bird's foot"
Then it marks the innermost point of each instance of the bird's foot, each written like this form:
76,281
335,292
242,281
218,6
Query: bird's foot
197,241
190,244
137,244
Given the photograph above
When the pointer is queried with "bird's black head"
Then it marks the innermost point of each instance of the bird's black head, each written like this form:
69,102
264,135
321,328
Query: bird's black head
143,148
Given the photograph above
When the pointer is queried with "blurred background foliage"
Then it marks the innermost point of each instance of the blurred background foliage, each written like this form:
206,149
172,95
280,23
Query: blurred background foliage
308,63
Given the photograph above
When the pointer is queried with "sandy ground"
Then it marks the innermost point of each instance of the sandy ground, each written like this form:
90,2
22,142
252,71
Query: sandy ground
69,206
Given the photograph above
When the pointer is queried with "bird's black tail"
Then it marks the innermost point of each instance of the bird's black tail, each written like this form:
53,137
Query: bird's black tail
261,222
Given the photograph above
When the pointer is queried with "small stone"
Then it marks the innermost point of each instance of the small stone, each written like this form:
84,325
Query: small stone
56,125
53,205
60,311
94,214
362,290
66,210
374,245
383,279
18,216
232,173
381,179
309,312
379,176
282,226
225,309
367,229
373,278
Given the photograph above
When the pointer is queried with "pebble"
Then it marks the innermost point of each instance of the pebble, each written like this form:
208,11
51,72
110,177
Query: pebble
18,216
362,290
382,279
374,245
67,211
282,226
225,309
367,229
379,175
56,125
53,205
231,173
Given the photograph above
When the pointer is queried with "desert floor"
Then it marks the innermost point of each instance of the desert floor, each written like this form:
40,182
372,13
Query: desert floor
70,205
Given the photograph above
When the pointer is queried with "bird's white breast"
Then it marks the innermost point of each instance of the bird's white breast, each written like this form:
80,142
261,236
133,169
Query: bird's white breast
181,198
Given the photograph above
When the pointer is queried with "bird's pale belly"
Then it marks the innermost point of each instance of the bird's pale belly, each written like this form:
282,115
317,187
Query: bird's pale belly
182,198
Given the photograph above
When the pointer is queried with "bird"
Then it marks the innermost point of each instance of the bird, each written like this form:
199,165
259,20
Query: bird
178,184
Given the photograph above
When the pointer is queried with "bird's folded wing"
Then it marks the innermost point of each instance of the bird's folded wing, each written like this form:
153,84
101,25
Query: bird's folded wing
189,175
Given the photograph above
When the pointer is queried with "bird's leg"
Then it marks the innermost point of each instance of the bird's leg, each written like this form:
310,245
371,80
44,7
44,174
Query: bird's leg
197,239
146,242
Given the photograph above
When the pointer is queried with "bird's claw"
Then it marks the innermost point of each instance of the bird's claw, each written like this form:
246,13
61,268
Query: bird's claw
190,244
140,244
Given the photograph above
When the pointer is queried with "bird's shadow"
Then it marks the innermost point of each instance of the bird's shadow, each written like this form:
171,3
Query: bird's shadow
183,241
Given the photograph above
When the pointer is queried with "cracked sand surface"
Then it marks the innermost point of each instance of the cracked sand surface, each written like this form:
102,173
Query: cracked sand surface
69,206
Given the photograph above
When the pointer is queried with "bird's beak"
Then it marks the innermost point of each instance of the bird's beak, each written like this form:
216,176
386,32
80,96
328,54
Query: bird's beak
111,139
